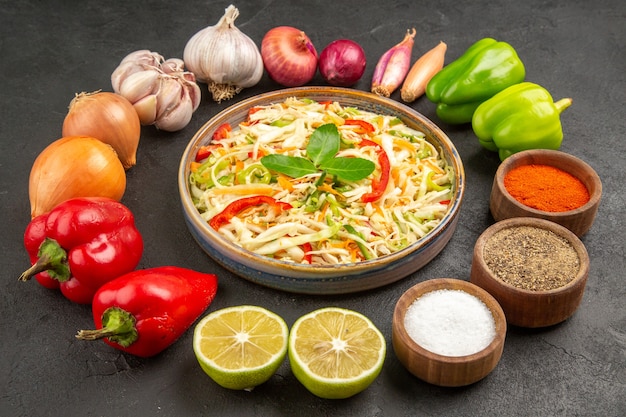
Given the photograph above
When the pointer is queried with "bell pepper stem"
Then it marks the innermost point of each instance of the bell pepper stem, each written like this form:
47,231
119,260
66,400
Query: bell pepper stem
51,258
37,267
118,325
562,104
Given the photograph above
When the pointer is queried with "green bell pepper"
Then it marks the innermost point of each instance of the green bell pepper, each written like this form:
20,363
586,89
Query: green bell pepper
486,68
520,117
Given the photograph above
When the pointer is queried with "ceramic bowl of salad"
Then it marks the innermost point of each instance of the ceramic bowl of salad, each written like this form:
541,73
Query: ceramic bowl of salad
321,190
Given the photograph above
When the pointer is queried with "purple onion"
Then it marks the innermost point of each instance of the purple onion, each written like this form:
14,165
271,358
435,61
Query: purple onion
342,63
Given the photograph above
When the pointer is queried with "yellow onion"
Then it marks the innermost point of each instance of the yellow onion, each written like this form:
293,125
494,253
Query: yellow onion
108,117
74,166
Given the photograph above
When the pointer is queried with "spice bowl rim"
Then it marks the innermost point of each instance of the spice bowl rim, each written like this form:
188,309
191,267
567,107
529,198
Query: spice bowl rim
420,355
322,279
552,158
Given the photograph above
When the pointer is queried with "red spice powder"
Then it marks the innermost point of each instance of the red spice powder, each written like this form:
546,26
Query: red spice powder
546,188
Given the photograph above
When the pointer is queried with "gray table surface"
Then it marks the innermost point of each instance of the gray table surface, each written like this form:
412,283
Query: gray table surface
52,50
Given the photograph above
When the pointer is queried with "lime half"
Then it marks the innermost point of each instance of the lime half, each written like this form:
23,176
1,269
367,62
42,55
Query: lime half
241,347
336,353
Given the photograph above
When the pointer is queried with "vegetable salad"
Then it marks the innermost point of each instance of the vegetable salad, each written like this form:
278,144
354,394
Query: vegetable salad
317,182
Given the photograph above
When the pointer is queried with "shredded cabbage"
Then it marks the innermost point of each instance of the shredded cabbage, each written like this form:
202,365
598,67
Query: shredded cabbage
327,213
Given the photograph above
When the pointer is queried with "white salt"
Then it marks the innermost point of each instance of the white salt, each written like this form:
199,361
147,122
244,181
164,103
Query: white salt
450,323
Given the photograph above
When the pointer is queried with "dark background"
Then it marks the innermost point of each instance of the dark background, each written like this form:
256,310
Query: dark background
51,50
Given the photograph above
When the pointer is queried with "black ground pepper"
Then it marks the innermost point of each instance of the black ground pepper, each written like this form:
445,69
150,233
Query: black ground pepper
531,258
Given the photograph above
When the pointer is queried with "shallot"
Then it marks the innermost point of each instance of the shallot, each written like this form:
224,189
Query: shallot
422,71
289,56
342,63
393,66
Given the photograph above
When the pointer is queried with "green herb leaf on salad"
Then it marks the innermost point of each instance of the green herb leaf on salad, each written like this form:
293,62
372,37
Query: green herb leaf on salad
292,166
321,150
323,144
349,169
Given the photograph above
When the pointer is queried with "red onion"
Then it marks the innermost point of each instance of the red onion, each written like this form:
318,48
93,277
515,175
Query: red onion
289,56
342,63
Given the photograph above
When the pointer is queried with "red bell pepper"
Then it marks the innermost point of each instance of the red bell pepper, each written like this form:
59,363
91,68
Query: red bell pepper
238,206
204,152
364,127
249,122
145,311
33,237
82,244
378,185
253,110
221,132
326,103
307,248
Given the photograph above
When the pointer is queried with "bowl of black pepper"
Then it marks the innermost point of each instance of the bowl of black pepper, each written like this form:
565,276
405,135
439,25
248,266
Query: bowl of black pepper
535,268
547,184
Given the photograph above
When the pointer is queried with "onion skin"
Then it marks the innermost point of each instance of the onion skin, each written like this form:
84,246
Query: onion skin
289,56
108,117
422,71
342,63
74,166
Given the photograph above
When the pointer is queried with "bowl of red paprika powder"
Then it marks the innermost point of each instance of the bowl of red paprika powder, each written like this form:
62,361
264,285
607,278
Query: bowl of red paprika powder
547,184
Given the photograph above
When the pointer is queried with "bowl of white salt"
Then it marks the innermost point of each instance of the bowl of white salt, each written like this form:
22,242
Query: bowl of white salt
448,332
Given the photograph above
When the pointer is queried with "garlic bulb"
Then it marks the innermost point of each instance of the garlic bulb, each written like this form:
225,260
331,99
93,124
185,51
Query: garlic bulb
224,57
161,91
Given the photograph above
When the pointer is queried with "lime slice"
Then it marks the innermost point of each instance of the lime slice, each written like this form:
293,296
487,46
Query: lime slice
336,353
240,347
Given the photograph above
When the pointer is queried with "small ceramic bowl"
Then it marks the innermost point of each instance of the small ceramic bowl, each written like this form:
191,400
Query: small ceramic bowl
325,279
527,307
443,370
579,220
